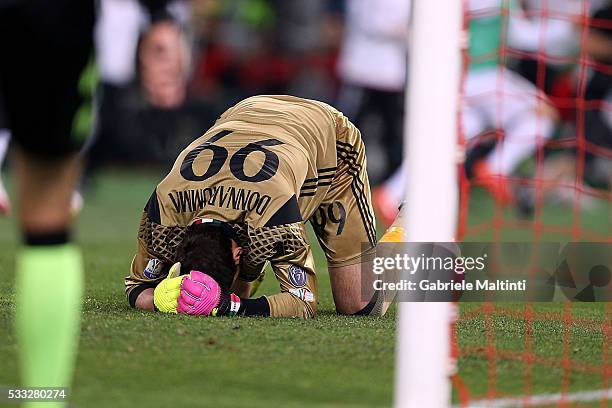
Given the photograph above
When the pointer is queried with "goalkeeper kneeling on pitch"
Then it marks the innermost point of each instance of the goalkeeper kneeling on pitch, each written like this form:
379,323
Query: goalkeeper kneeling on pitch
239,196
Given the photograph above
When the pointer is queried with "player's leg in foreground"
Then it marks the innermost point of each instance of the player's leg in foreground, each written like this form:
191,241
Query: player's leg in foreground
49,118
49,272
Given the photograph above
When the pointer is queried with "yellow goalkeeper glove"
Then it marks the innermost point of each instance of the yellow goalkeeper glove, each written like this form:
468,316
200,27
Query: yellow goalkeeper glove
166,294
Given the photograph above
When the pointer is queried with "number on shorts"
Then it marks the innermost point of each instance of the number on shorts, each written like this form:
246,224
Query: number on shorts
335,213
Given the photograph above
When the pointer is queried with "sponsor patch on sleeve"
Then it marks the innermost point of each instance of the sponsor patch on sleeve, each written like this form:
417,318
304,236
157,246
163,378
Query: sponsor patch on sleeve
304,294
153,269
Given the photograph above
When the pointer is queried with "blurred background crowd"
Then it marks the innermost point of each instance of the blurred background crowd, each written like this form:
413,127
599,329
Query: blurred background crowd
168,68
194,59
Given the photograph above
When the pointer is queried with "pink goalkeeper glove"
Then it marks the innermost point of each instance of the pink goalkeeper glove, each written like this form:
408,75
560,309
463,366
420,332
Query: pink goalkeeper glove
202,295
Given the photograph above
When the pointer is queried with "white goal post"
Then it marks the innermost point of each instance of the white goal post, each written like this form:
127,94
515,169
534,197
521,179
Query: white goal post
432,103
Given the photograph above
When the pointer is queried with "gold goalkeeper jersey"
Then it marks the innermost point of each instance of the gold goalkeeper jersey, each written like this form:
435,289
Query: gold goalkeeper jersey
268,164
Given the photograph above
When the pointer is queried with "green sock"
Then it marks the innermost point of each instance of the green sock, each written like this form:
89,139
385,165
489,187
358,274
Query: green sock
49,286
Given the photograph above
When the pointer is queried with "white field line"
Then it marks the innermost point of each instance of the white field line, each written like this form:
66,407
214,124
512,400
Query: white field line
542,399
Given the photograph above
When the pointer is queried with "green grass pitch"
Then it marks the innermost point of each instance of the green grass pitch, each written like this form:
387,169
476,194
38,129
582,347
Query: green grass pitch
130,358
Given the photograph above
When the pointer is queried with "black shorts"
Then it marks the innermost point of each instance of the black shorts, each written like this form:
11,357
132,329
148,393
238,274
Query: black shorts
45,49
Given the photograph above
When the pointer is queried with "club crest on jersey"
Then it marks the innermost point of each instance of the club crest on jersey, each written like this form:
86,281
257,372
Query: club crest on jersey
153,269
297,276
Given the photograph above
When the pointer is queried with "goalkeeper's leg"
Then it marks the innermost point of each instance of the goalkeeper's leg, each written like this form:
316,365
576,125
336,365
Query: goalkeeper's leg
352,286
347,228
